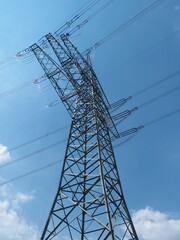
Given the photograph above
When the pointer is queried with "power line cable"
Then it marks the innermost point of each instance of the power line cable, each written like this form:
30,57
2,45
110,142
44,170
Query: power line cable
21,86
118,104
84,9
125,114
30,172
43,41
38,138
12,90
122,134
27,115
33,153
26,53
154,121
125,24
9,61
79,26
32,182
122,116
94,14
125,141
151,122
153,85
142,53
151,47
165,79
6,59
159,97
114,104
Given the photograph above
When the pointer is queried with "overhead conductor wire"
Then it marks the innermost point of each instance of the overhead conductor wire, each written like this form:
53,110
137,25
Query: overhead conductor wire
117,104
82,10
31,172
154,121
33,153
151,122
22,86
144,104
54,144
162,95
43,42
94,14
26,55
38,138
125,24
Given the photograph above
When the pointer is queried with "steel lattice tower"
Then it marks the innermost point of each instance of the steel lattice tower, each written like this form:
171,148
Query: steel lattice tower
89,203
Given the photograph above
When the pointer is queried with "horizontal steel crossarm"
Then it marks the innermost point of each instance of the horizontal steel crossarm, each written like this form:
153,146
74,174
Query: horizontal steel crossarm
77,68
65,57
78,57
55,74
89,185
68,66
87,71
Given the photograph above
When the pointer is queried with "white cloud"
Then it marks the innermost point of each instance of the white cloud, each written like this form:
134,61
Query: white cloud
176,8
4,154
154,225
11,222
149,223
4,205
21,198
4,190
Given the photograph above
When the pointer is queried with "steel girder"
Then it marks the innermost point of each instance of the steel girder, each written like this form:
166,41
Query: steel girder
89,203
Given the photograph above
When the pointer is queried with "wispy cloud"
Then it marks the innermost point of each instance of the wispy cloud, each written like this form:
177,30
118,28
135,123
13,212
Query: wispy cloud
4,154
150,224
8,225
154,225
11,222
21,198
176,8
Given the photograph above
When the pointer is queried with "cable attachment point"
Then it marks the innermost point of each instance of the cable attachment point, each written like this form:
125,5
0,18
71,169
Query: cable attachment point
23,52
52,104
120,102
130,131
39,79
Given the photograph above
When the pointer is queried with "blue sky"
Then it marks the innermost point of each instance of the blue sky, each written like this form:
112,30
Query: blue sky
139,55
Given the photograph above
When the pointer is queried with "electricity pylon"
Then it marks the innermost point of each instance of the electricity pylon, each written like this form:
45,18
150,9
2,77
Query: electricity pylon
89,203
